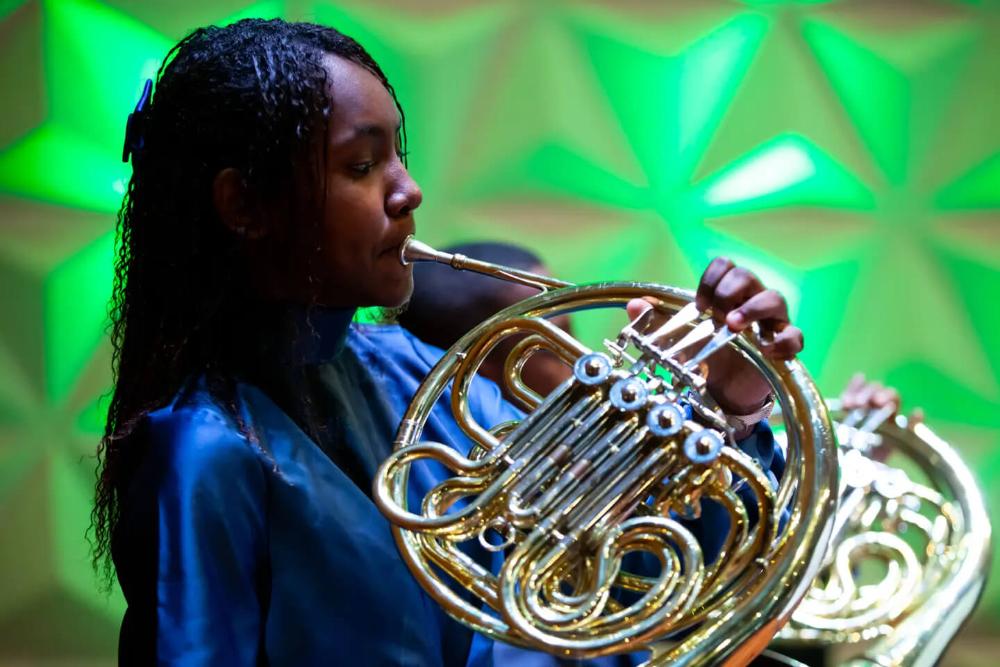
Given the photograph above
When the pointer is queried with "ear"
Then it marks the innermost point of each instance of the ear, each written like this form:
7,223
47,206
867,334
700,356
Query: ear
234,204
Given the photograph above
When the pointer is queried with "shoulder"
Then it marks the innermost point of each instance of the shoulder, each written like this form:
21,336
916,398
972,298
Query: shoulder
391,346
394,342
195,434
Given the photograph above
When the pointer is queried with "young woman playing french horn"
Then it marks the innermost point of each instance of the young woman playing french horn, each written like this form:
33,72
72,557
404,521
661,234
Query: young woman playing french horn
268,201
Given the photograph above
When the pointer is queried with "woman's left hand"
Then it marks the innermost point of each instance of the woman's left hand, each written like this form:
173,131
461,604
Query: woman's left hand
738,298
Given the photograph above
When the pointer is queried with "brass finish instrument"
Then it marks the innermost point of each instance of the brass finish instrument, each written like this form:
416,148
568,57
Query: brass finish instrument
615,462
911,546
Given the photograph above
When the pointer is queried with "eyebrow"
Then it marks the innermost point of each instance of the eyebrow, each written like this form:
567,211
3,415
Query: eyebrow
374,130
370,131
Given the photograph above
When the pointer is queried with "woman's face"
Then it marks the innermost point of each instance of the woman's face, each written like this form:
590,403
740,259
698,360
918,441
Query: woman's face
370,197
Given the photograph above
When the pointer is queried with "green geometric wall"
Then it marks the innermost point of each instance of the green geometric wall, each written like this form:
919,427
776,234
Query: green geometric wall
847,151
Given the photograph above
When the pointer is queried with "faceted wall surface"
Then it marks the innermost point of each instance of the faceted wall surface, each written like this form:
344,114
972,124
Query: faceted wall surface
847,151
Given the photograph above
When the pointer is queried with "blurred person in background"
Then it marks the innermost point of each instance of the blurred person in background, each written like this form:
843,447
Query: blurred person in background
445,305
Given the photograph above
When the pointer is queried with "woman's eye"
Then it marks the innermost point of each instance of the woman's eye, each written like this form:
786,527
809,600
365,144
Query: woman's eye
362,168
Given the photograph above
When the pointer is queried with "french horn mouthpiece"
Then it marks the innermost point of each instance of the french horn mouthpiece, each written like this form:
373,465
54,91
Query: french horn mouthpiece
412,250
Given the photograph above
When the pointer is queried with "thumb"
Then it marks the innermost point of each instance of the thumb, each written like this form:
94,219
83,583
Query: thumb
637,307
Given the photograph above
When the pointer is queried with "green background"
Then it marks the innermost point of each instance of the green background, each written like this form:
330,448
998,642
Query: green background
846,151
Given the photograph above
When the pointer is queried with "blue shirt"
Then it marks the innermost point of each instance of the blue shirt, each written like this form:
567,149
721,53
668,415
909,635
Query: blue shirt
249,537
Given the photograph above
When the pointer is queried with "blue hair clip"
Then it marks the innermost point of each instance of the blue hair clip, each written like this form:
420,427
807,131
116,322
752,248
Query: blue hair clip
135,127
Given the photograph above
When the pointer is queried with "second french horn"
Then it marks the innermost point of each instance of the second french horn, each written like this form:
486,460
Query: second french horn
590,503
910,550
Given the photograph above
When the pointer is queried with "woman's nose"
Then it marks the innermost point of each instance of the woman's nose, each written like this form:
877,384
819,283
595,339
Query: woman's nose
405,195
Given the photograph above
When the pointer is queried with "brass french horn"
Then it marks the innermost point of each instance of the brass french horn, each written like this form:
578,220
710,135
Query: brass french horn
910,551
610,465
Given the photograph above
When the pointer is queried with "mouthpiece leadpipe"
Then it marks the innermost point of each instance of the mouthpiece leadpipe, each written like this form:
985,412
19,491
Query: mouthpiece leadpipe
412,250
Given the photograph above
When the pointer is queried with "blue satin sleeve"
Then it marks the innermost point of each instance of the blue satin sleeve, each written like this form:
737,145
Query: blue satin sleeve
712,527
211,542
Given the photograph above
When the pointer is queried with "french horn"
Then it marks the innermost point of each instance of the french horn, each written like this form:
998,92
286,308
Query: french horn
910,551
605,473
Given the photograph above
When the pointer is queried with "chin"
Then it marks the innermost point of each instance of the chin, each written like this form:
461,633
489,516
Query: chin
397,296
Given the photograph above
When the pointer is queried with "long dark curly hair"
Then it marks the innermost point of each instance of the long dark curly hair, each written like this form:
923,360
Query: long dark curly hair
251,96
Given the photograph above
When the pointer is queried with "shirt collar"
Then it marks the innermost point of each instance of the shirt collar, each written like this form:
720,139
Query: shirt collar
314,334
